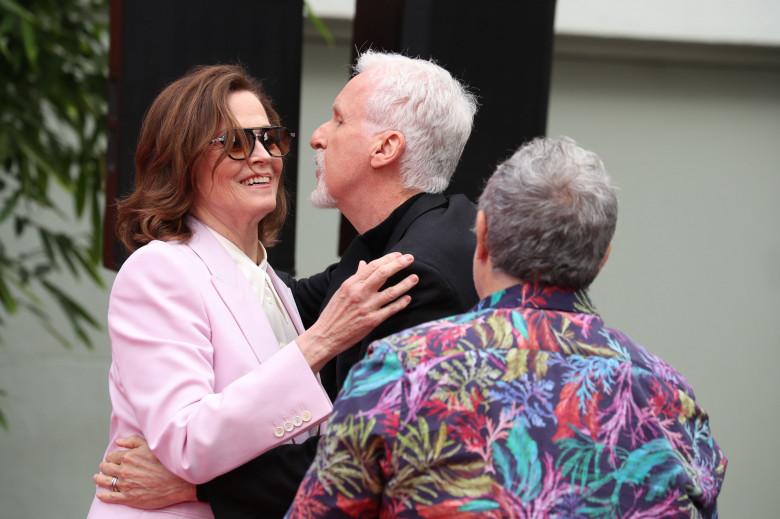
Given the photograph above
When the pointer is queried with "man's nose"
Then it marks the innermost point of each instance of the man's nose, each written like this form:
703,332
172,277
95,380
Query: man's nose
317,140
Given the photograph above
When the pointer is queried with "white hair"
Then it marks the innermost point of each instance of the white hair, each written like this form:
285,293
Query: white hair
433,111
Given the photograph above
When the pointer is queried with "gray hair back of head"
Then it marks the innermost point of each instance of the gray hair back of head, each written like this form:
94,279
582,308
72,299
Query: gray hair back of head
551,212
432,109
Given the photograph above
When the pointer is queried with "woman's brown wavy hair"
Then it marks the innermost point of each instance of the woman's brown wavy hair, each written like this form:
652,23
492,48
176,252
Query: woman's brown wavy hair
177,129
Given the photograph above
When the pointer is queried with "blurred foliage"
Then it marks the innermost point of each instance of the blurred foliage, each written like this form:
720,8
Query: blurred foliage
319,24
54,65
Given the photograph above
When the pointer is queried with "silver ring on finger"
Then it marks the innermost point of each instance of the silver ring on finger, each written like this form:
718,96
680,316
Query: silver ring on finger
114,488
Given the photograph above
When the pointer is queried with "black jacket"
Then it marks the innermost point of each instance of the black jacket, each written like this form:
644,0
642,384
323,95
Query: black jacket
437,230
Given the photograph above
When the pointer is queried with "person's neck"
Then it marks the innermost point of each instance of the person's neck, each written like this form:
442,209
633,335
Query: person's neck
497,281
369,212
245,237
489,279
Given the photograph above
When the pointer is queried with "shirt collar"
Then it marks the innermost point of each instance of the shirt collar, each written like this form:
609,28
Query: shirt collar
540,296
376,239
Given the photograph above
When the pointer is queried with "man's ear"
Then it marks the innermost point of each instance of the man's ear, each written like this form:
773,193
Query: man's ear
605,258
389,147
482,253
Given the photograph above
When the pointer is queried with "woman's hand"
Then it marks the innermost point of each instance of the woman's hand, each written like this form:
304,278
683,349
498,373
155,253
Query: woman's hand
357,308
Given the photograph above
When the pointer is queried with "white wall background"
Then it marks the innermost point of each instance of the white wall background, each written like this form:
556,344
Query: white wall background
723,21
694,268
691,139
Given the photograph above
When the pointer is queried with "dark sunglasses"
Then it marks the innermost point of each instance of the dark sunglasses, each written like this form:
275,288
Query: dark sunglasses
241,143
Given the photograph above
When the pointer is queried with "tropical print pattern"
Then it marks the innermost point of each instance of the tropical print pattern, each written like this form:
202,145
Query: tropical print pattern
526,407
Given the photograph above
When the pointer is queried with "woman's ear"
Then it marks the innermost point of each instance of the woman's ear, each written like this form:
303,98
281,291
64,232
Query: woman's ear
389,147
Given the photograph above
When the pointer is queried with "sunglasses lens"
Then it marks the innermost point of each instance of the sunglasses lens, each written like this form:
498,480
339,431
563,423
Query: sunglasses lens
277,141
241,143
238,144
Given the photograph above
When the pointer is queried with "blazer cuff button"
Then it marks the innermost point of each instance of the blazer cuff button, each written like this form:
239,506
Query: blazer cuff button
306,416
278,432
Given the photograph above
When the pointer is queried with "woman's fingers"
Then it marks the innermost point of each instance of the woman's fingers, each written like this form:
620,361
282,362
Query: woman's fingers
357,307
398,290
375,274
361,293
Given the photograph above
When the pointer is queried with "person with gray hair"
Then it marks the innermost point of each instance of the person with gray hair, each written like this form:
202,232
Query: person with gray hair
527,405
389,150
551,210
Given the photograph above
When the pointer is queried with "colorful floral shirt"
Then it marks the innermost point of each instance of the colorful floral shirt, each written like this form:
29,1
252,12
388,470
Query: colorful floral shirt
528,406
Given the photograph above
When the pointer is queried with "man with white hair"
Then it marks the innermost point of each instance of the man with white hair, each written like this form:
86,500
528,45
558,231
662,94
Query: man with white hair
527,405
397,131
396,134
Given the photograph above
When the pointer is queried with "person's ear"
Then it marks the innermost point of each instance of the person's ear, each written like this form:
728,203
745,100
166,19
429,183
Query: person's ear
482,253
389,147
606,257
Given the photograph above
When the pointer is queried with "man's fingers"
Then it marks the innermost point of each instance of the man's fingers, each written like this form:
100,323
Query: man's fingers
116,457
109,468
112,497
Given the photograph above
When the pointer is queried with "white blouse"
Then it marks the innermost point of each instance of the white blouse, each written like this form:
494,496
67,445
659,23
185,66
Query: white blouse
277,315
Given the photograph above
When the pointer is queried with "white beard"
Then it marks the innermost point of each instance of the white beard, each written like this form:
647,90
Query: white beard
320,197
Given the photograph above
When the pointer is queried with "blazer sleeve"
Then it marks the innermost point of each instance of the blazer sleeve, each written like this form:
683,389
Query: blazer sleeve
164,376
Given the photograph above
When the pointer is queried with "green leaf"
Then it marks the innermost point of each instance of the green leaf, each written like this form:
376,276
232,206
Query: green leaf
10,205
67,252
3,421
80,192
16,9
45,319
48,249
319,24
28,36
6,297
74,312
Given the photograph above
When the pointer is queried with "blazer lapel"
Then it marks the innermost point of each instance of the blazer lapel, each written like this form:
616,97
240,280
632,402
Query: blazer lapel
234,290
286,295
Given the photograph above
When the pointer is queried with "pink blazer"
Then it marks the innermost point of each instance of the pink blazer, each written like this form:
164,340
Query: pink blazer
196,368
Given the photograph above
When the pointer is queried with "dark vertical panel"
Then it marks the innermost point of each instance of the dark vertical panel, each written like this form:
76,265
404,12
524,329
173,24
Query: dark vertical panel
378,26
502,49
155,42
506,61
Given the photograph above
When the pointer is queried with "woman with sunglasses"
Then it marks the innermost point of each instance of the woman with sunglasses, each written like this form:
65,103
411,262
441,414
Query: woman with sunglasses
210,361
